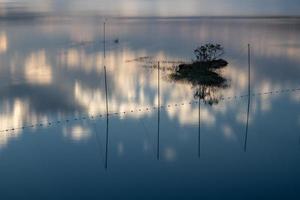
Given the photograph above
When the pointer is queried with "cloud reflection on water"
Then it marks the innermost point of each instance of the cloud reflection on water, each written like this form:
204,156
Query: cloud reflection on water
37,70
78,71
3,42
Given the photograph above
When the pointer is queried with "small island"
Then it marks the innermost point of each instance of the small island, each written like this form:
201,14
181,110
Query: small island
203,73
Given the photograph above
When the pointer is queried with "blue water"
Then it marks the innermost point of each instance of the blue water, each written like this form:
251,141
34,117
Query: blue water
52,78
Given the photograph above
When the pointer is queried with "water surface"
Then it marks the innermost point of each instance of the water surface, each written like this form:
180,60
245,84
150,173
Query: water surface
57,142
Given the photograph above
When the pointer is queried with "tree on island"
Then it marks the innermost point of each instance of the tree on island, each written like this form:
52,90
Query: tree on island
208,52
203,73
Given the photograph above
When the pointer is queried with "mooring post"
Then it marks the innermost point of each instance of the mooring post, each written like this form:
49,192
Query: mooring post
249,67
199,136
158,110
106,144
106,94
107,115
248,106
104,38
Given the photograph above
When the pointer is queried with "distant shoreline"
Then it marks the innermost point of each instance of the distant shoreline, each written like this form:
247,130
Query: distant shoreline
37,15
210,17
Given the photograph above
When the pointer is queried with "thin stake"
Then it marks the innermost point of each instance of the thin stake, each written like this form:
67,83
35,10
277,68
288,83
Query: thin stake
98,142
106,94
249,67
158,110
106,100
199,138
106,97
248,106
106,144
104,38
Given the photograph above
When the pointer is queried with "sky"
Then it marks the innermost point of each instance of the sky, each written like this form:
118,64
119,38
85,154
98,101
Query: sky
159,7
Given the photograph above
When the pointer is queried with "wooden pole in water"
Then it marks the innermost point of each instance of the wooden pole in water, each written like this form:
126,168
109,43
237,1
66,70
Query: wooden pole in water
106,98
249,67
248,106
106,144
106,93
158,110
199,136
104,38
105,74
106,102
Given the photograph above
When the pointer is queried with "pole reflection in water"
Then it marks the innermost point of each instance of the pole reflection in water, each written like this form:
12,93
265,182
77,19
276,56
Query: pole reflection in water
106,102
199,136
158,109
248,106
106,143
107,115
104,38
98,141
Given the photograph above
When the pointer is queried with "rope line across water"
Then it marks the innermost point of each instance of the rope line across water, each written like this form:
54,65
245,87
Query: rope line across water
145,109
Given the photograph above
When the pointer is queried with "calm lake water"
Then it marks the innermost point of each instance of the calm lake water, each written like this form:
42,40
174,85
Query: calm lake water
57,143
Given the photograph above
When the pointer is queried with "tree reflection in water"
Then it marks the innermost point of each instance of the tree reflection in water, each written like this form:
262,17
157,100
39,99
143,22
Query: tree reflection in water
204,76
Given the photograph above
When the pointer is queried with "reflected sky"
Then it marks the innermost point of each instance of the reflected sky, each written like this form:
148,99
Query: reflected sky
58,73
53,70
